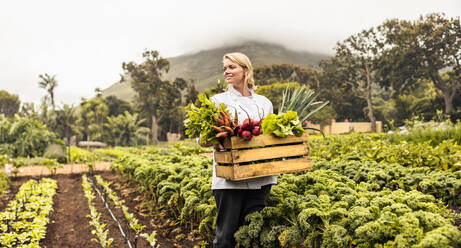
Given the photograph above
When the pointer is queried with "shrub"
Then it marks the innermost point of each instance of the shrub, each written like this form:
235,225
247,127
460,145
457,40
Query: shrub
55,151
52,165
23,136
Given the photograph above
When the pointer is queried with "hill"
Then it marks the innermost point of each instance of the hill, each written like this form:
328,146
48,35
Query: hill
205,66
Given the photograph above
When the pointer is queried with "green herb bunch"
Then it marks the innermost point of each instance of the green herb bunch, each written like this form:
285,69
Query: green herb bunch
200,120
283,125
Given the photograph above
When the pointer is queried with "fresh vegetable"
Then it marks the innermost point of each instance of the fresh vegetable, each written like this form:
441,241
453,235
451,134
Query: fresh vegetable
256,131
203,121
246,135
249,127
282,125
301,101
222,135
322,208
228,130
218,129
24,221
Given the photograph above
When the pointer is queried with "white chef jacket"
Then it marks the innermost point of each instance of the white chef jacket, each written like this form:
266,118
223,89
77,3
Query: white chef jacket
257,106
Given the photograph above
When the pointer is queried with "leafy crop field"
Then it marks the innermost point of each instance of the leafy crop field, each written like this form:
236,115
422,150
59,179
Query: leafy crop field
365,190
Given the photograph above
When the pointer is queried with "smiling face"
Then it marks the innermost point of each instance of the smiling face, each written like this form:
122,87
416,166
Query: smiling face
234,73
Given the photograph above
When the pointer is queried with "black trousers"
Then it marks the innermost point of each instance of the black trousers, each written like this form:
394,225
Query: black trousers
233,205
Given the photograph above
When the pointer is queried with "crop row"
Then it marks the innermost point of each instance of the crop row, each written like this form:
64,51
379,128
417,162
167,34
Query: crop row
94,216
325,209
443,185
316,209
378,148
4,182
181,184
23,223
130,219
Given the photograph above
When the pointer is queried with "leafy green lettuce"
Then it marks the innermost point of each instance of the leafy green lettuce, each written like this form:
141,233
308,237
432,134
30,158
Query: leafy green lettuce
283,125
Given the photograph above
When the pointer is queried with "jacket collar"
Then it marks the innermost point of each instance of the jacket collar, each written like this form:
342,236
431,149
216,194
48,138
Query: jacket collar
237,93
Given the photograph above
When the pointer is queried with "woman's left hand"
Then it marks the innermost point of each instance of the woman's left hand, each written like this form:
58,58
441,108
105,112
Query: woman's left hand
218,147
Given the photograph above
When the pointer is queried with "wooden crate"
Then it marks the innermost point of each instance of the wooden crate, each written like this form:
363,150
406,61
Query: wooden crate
269,155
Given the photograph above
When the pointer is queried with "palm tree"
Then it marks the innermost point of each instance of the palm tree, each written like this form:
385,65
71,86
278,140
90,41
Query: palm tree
125,129
66,118
98,91
49,83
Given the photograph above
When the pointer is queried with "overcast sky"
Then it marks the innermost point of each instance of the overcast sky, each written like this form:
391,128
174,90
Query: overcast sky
85,42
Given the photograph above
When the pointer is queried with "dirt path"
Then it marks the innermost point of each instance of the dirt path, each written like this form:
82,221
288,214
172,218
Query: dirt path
38,170
68,225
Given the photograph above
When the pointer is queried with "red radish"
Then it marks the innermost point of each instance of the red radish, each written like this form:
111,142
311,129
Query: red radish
246,135
256,131
238,130
256,123
247,124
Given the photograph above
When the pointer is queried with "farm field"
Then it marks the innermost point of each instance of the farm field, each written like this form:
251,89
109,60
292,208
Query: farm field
365,190
105,145
69,227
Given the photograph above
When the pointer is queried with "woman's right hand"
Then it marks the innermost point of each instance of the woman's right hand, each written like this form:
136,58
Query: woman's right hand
217,147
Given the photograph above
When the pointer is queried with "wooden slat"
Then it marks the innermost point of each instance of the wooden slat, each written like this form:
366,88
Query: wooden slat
237,173
223,157
225,171
241,156
262,140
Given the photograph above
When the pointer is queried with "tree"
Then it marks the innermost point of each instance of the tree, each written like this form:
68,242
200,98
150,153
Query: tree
117,106
92,116
218,88
173,114
274,92
125,129
49,83
9,103
22,136
155,98
273,73
191,94
347,102
98,91
28,110
47,115
359,57
423,49
66,121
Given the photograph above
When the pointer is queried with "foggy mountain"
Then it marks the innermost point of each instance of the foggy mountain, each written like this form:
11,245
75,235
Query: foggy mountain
205,67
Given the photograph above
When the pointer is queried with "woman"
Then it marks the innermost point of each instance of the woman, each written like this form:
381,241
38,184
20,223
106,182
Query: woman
236,199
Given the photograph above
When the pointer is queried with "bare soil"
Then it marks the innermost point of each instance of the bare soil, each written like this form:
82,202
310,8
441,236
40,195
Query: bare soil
69,226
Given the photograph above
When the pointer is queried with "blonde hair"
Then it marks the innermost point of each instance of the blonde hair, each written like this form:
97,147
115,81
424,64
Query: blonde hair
242,60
